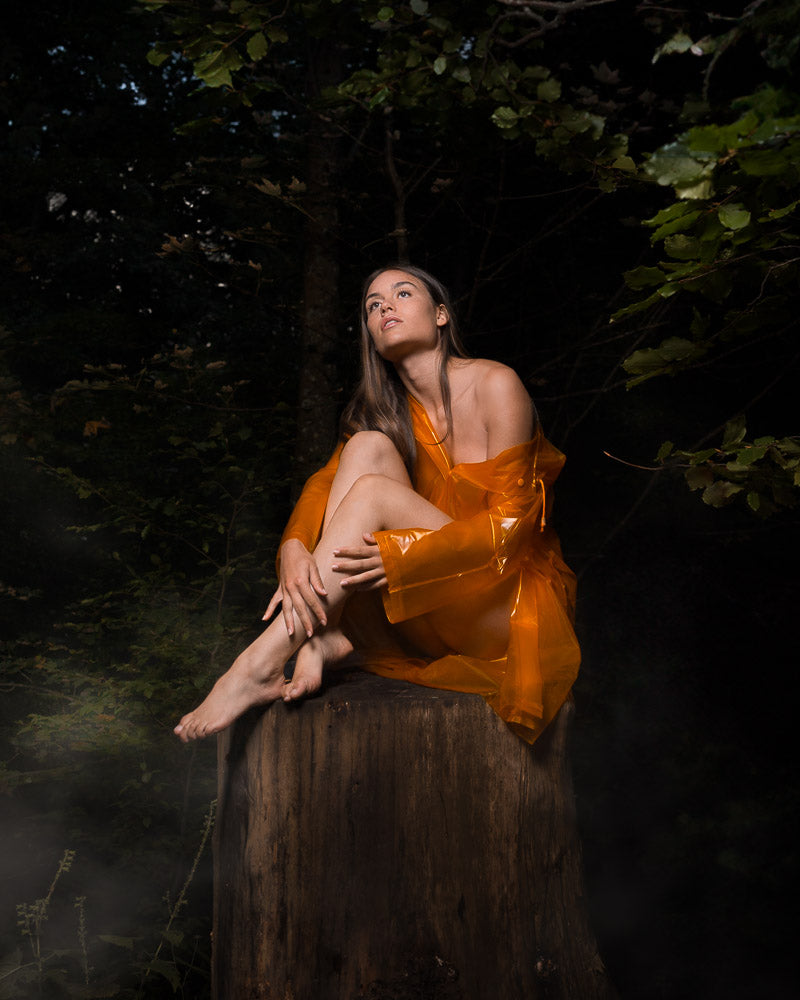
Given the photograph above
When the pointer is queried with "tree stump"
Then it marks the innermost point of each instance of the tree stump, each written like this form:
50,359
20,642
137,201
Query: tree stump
385,840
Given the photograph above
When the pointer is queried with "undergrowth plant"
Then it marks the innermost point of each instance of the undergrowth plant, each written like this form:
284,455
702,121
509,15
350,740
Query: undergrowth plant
167,484
170,960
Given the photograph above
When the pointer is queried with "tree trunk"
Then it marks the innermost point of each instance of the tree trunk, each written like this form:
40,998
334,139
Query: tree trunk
317,401
385,840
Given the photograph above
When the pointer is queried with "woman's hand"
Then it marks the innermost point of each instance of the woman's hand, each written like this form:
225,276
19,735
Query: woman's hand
361,564
300,588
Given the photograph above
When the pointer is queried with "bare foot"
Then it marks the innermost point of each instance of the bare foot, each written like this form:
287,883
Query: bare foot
242,687
324,649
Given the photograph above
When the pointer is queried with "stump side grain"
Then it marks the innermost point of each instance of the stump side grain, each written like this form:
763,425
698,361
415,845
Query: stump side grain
385,840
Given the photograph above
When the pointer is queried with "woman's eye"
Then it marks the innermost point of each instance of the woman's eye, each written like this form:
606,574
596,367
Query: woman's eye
403,291
372,306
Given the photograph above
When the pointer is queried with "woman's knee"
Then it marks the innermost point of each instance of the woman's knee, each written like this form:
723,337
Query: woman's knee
372,450
373,492
371,485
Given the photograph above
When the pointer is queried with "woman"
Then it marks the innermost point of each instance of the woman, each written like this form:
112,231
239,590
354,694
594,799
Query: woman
475,595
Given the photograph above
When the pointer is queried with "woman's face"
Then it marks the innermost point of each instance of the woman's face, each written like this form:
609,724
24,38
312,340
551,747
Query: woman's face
402,318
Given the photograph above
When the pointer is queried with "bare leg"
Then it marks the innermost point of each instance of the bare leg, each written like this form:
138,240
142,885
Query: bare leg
367,452
372,502
256,678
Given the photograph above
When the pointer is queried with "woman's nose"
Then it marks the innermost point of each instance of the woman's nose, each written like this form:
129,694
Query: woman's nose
385,306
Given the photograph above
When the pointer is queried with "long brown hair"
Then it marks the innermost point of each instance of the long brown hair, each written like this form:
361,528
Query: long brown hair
380,402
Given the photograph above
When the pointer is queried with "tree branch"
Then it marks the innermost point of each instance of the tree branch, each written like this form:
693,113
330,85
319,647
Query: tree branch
529,10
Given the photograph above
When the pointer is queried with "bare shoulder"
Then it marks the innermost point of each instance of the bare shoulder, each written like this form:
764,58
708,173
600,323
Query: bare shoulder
496,379
499,387
502,403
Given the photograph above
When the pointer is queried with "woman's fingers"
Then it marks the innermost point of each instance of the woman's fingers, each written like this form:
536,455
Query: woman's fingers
277,597
371,579
362,566
301,588
316,581
357,552
288,613
305,602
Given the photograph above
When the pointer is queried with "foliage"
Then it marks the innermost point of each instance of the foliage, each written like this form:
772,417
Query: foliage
765,471
729,235
174,474
730,247
36,968
175,535
429,59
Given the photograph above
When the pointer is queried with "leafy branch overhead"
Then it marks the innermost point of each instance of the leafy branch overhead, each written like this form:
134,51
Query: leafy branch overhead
427,58
765,472
728,243
730,237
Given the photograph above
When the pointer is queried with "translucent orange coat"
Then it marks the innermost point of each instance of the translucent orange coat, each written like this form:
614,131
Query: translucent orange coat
495,558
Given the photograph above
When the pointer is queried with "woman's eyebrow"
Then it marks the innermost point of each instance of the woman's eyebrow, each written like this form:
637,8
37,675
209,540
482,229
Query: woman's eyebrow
397,284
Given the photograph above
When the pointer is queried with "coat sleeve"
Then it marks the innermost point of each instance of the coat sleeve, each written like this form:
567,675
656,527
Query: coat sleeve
308,515
426,569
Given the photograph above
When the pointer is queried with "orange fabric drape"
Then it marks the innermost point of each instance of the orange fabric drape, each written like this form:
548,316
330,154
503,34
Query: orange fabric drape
496,557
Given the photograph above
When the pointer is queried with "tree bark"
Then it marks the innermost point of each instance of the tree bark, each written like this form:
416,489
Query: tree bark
385,840
317,399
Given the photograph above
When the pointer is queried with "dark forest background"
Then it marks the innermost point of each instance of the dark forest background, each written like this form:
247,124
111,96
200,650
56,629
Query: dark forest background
192,193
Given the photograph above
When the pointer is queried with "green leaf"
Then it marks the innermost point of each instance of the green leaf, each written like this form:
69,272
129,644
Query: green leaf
748,455
672,349
734,216
764,162
698,477
695,192
624,163
753,501
549,90
505,117
642,277
680,42
157,55
168,970
635,307
215,68
419,7
379,98
674,165
669,222
668,214
440,65
257,46
779,213
735,430
385,14
699,457
682,247
664,451
720,492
